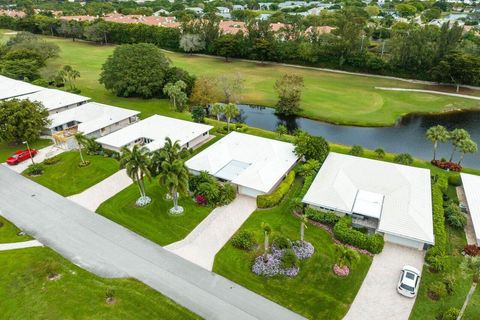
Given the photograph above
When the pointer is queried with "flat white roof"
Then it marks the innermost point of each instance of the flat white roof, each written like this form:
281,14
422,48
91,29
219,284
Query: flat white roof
368,204
53,99
11,88
407,201
92,116
156,128
471,186
246,160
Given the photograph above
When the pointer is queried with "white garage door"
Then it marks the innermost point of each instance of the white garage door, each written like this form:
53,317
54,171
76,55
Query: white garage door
249,192
403,241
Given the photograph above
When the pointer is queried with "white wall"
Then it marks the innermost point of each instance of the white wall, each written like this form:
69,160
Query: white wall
403,241
249,191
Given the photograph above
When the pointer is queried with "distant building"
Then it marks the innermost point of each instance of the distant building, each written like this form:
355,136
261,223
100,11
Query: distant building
196,10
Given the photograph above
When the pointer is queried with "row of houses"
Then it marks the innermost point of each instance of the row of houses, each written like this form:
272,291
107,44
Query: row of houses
159,21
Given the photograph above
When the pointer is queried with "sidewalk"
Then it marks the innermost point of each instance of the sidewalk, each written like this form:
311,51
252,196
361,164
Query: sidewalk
20,245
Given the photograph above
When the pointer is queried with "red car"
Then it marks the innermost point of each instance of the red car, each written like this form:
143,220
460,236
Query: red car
21,155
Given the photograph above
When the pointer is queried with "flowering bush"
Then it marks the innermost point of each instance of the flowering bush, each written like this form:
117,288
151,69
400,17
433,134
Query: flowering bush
471,250
341,271
201,200
447,165
303,249
267,266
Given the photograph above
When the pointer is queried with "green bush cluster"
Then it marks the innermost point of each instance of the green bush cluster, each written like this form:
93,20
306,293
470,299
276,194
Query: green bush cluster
52,160
356,151
454,216
455,180
437,290
274,198
403,158
282,243
35,169
289,259
451,314
307,182
345,233
243,240
324,217
214,192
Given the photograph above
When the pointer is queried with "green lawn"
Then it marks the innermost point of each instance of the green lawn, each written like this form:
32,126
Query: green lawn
7,149
473,309
338,98
67,178
316,292
9,233
153,222
26,293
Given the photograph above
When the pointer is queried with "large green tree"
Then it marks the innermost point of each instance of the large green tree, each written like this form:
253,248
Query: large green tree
230,110
457,137
466,146
176,93
289,89
311,147
458,68
22,120
136,163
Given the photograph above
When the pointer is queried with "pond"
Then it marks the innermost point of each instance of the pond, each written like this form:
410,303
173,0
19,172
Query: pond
407,136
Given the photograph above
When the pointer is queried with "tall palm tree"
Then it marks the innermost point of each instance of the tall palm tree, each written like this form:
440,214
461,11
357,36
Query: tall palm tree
82,141
456,137
470,266
266,231
303,225
217,110
466,146
170,151
230,111
437,134
174,176
136,163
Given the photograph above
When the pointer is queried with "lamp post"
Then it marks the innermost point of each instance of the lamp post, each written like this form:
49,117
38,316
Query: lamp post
29,151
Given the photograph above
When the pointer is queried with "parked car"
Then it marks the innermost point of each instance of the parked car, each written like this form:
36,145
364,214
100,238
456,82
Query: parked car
20,156
409,282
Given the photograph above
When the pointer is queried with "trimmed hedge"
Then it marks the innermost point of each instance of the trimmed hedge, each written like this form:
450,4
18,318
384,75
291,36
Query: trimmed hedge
324,217
274,198
455,180
346,234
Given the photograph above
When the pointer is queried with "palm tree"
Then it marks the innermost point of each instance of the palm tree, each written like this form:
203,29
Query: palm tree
136,163
466,146
266,231
457,136
437,134
82,141
346,256
230,111
69,75
172,150
217,110
303,225
174,175
470,266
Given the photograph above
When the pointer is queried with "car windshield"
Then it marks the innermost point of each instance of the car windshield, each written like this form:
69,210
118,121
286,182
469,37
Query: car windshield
410,276
406,287
15,156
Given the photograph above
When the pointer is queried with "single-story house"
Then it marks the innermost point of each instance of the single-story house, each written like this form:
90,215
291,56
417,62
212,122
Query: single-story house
56,101
151,133
93,119
471,187
11,88
254,164
383,197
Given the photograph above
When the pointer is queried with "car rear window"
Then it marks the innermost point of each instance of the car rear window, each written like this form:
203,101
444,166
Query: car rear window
410,275
406,287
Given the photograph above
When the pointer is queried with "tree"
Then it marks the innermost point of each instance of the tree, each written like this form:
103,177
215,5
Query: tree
20,69
136,163
266,232
98,32
198,114
405,10
470,266
289,89
309,168
373,10
346,256
174,175
466,146
135,70
22,120
458,68
205,91
232,87
379,153
435,135
281,130
457,137
264,49
226,46
175,91
303,225
82,141
69,75
192,43
311,147
230,110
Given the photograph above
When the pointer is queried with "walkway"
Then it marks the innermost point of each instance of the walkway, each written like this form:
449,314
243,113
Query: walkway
42,154
203,243
109,250
457,95
469,230
94,196
20,245
377,298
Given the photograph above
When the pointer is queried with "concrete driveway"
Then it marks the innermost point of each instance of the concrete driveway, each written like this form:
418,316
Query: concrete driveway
377,298
42,154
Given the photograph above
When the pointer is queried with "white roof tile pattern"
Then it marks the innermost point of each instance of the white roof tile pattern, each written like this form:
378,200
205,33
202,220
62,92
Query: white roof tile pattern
11,88
53,99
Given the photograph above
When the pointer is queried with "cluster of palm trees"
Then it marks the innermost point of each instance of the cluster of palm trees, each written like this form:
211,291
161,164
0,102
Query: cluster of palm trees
229,110
166,163
459,138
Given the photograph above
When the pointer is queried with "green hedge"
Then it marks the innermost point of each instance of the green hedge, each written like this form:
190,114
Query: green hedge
307,182
274,198
455,180
436,253
324,217
346,234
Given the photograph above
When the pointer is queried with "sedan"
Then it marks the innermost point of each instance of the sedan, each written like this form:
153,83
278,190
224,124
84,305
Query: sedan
20,156
409,282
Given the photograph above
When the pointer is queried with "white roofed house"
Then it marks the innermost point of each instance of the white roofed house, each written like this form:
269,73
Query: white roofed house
254,164
471,187
56,101
151,133
11,88
384,197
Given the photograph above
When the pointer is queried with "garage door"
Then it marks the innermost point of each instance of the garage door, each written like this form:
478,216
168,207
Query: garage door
248,191
403,241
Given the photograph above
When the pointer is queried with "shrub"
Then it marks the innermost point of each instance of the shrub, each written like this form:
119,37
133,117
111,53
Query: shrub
282,243
243,240
198,114
356,151
289,259
307,182
274,198
195,180
403,158
344,232
227,193
451,314
201,200
454,216
437,290
210,191
324,217
35,169
379,153
449,282
446,165
455,180
471,250
52,160
435,255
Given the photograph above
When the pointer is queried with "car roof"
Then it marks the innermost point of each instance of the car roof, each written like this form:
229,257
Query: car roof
411,269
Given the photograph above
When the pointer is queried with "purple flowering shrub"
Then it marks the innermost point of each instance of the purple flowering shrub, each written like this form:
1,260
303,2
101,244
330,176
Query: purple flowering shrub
303,249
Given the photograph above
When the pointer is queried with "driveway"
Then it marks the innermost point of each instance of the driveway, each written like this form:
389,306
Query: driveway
203,243
42,154
107,249
377,298
94,196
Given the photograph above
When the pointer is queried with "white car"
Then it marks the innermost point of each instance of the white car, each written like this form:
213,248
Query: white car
409,282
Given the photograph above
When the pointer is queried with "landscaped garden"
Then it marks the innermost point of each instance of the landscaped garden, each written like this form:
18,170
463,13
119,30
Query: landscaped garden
65,176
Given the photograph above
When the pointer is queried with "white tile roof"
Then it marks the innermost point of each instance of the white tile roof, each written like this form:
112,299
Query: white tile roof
269,160
471,186
92,116
54,99
407,203
10,88
156,128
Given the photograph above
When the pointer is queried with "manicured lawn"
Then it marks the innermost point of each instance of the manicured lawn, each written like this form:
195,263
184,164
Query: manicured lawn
7,149
154,222
473,309
67,178
9,233
26,293
338,98
316,292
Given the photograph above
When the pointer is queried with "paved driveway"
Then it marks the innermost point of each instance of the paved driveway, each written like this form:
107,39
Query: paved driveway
378,299
203,243
110,250
42,154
